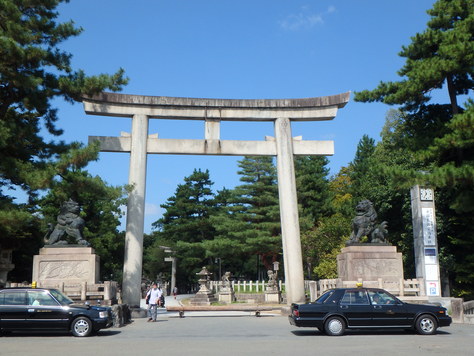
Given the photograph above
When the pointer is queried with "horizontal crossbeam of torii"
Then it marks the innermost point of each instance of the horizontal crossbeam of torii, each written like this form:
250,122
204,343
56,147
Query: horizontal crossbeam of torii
212,111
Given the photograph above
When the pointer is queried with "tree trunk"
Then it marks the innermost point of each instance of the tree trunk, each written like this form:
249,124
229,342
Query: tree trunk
452,94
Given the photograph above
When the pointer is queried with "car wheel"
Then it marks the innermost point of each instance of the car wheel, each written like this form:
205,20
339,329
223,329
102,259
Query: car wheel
335,326
81,327
426,325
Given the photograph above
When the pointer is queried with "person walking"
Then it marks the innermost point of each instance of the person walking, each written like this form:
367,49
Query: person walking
153,296
175,292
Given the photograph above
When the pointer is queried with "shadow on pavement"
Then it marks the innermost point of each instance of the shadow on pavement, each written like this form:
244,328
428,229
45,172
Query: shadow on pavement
358,332
56,334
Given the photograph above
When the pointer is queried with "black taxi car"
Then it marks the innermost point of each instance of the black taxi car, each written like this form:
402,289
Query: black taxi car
358,308
49,309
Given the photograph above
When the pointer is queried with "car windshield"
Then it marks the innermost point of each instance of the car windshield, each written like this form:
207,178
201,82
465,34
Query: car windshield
61,298
323,298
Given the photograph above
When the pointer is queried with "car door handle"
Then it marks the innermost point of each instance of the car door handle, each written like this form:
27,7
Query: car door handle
31,310
344,306
377,307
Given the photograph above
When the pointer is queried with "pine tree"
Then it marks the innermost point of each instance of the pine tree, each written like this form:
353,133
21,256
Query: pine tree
100,207
247,221
186,224
186,216
33,72
441,56
258,197
440,135
360,168
312,187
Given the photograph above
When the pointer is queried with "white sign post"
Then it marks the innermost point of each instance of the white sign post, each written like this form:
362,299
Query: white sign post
425,240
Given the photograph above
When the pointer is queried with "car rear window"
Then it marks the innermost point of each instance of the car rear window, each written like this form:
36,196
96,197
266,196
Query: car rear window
355,296
325,297
13,298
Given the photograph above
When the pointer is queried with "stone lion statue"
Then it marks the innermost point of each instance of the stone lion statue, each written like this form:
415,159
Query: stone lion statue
272,280
69,226
364,224
226,281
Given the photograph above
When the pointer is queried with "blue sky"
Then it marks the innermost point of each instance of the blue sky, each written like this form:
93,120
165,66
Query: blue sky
237,50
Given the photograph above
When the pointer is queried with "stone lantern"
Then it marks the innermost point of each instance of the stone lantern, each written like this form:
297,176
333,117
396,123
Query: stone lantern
204,277
204,296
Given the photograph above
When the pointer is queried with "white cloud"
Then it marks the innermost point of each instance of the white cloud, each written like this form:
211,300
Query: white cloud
304,20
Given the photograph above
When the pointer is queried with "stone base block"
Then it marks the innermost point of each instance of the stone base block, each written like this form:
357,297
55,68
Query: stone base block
227,298
203,299
272,297
56,265
370,262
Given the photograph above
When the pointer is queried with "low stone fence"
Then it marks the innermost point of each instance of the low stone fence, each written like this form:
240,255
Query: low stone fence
106,293
245,286
402,287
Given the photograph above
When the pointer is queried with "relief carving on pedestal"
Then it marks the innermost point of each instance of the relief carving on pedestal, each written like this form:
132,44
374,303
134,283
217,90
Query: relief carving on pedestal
366,267
64,270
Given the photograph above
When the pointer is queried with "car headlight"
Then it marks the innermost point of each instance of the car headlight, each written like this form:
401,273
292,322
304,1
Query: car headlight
103,314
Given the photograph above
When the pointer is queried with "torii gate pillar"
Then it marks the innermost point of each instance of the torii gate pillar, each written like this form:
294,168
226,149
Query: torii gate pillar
132,270
290,226
212,111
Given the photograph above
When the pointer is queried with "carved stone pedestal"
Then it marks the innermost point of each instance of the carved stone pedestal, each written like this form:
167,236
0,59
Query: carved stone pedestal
370,262
73,264
272,297
226,296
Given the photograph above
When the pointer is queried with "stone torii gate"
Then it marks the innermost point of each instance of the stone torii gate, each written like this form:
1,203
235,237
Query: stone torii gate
212,111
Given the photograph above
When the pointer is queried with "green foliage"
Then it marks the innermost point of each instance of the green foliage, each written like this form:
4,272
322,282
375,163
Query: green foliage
312,187
100,207
185,225
247,221
322,244
254,220
33,72
232,229
442,54
154,263
186,216
438,138
360,167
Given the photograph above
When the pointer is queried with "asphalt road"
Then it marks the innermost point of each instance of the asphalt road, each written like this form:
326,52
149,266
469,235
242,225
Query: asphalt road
237,335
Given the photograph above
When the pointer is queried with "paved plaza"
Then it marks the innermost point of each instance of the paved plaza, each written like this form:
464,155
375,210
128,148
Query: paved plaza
237,334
